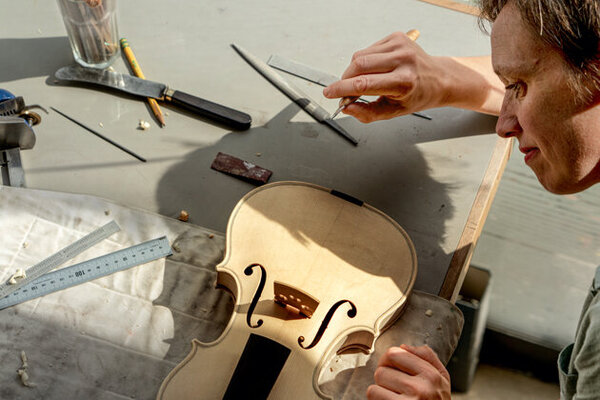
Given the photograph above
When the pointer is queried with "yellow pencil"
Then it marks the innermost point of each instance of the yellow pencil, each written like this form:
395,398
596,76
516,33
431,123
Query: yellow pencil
137,71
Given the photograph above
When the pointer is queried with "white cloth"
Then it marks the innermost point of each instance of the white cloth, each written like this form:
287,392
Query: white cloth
119,336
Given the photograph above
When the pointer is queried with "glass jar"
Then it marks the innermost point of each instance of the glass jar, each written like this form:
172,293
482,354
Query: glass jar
92,30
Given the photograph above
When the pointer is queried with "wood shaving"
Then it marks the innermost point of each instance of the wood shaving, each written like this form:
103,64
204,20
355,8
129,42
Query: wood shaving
143,125
101,124
24,359
429,313
183,216
25,244
210,236
19,274
175,248
107,212
22,372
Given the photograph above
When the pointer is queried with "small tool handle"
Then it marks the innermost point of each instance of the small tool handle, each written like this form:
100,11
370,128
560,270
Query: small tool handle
413,34
225,115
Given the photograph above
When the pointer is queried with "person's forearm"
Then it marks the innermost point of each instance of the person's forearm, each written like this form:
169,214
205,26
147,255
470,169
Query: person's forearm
472,84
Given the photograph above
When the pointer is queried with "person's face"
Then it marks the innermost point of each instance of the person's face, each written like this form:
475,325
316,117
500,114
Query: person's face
559,136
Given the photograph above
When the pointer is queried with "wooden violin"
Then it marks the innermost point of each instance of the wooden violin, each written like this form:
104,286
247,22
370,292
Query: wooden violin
313,272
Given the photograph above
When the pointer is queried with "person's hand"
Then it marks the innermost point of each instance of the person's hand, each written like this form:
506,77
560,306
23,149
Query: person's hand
408,372
395,68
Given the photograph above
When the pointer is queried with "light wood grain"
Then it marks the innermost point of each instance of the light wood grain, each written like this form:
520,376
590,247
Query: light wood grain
459,264
327,247
454,5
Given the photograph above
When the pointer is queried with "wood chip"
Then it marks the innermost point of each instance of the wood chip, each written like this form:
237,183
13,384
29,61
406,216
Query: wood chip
183,216
22,372
143,125
19,274
242,169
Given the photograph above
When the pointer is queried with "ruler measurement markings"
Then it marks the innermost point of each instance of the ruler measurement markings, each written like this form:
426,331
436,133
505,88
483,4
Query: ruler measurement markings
89,270
61,257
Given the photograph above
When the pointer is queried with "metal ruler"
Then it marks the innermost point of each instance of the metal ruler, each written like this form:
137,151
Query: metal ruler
313,75
89,270
61,257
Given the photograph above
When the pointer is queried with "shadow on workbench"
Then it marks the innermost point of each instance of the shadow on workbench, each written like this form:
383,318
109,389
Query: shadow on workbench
33,57
386,170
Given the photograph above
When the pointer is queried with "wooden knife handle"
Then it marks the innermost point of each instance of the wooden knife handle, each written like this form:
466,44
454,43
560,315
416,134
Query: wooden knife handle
227,116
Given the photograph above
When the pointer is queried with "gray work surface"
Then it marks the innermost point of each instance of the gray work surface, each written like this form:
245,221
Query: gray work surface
424,174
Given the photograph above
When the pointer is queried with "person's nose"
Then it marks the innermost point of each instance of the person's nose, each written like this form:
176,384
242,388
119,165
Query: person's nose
508,122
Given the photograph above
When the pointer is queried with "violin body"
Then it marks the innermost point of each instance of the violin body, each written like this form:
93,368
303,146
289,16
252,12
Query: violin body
313,272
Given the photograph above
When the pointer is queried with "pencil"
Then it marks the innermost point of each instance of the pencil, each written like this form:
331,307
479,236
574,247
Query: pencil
137,71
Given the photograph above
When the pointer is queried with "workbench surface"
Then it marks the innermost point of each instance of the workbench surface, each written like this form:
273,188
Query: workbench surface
424,174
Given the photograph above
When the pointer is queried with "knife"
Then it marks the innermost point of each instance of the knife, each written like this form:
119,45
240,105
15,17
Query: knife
145,88
306,103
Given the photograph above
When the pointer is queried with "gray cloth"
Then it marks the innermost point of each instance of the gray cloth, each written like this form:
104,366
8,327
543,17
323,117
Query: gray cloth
427,319
119,336
579,363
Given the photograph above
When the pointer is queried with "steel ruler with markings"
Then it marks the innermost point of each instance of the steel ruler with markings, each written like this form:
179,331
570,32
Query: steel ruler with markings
89,270
60,257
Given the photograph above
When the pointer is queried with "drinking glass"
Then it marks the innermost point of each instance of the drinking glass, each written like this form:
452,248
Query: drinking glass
92,30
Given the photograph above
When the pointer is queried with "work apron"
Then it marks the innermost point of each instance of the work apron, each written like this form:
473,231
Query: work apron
566,373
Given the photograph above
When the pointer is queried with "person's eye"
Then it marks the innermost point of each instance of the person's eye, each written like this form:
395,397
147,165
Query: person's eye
518,89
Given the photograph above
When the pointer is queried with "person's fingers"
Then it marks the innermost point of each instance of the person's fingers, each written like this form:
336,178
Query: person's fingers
382,108
376,392
401,370
379,46
371,64
390,55
403,360
426,353
389,85
394,38
396,381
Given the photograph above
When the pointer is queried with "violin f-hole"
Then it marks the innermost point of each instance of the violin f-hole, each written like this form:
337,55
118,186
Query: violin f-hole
248,271
351,314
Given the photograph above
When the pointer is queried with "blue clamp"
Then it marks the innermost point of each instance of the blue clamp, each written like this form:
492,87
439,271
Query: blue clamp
5,95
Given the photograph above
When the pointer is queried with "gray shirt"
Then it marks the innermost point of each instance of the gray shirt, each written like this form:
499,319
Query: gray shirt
579,363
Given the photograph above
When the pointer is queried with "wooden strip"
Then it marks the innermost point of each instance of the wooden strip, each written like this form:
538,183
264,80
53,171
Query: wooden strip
456,6
459,265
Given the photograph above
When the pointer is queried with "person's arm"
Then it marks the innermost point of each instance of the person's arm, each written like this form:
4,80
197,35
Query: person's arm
407,79
408,372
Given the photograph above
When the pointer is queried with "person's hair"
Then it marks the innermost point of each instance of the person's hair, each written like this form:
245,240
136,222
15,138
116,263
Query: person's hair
572,27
